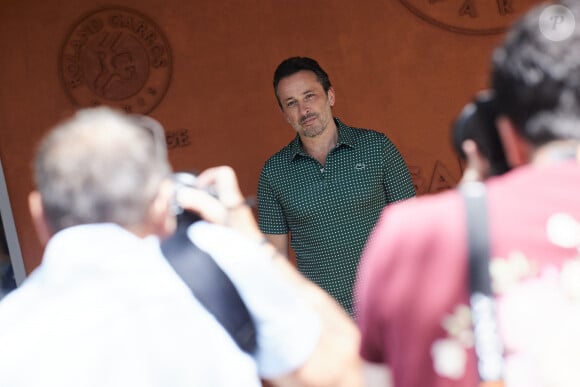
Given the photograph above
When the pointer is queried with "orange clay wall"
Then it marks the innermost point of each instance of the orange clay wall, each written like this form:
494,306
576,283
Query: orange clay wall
204,69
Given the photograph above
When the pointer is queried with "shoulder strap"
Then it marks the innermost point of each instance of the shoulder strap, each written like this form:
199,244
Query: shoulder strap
212,287
488,344
477,237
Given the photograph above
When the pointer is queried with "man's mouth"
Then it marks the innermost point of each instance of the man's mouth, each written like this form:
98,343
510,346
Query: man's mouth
308,119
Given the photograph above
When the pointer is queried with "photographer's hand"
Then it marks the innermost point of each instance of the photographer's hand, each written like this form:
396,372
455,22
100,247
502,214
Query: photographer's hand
335,360
228,209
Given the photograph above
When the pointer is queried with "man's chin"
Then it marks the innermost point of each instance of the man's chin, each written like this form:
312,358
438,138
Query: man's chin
311,132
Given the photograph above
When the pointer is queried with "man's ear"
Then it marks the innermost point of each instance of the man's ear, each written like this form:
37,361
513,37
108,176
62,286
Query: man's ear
331,96
43,230
161,216
517,149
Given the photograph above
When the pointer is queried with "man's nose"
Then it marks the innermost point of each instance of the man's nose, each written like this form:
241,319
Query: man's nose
304,108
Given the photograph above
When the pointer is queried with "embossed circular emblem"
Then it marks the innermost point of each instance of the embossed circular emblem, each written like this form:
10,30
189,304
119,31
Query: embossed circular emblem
116,56
475,17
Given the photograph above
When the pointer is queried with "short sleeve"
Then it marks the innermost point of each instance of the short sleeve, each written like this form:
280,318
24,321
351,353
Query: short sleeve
397,178
288,330
412,277
370,290
271,218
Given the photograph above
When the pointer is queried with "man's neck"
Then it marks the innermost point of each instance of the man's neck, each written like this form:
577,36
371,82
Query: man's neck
319,146
556,151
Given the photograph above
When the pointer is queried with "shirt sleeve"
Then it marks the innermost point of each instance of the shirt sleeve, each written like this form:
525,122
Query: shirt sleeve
386,288
287,328
370,291
397,178
271,219
412,277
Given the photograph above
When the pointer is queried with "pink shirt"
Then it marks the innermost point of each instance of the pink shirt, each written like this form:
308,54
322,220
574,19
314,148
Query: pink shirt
412,283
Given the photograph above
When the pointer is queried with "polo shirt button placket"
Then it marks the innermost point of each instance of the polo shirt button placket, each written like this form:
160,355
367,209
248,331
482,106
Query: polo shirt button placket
324,174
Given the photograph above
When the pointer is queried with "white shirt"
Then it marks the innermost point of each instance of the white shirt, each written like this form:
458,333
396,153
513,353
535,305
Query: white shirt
287,330
105,309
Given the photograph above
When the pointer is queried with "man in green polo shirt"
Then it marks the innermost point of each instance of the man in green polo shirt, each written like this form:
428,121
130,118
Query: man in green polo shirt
326,189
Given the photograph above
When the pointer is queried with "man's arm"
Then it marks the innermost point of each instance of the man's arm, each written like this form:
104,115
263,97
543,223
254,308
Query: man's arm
397,178
279,241
335,361
377,375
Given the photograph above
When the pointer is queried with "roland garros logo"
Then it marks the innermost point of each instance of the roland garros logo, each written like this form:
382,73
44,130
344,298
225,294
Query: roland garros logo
472,17
116,57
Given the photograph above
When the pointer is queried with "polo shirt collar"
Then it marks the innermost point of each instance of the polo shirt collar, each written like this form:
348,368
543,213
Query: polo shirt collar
345,137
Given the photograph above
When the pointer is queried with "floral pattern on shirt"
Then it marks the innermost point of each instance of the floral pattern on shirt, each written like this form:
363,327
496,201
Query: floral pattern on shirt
538,312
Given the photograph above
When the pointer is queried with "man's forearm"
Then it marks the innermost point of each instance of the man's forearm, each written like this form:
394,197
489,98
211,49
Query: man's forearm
336,360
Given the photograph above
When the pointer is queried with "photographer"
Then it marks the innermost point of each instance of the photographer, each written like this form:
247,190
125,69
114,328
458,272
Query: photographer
335,360
417,303
106,308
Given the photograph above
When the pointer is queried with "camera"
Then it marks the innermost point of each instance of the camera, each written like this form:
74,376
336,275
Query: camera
187,180
477,122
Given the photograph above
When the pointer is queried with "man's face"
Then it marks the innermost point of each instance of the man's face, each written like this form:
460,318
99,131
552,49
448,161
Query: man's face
305,105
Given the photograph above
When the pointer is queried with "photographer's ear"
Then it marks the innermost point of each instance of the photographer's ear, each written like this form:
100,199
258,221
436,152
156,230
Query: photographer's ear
43,231
517,150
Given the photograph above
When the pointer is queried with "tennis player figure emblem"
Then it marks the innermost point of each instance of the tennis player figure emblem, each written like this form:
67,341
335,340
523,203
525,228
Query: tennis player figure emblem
118,57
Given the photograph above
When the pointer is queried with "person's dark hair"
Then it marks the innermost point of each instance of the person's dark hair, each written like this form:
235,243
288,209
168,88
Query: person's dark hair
477,122
295,64
537,80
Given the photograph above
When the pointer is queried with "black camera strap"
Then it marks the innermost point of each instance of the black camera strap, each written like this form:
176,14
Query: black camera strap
488,343
212,287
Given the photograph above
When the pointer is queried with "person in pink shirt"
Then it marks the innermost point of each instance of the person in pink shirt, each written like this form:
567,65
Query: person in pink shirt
413,283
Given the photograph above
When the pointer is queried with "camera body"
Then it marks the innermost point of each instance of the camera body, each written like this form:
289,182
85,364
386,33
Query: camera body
477,122
183,180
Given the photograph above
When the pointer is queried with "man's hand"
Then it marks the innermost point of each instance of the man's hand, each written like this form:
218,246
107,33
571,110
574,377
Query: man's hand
335,361
228,209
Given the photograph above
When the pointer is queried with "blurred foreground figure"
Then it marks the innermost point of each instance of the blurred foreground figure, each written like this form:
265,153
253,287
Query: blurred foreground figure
414,306
105,308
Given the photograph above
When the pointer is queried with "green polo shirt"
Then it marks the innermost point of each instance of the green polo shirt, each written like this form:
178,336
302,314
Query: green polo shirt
329,211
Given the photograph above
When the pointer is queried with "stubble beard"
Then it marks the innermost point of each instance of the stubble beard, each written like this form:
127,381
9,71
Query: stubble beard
311,131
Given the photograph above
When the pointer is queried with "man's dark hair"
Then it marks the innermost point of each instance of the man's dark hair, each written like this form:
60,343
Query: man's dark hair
295,64
537,80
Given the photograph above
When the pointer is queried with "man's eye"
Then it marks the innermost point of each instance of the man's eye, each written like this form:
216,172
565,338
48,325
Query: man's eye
291,104
309,96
